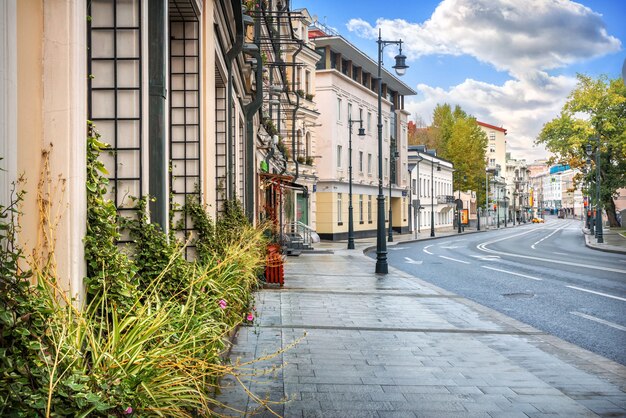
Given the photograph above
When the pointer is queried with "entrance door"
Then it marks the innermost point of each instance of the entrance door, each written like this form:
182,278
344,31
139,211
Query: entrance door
302,208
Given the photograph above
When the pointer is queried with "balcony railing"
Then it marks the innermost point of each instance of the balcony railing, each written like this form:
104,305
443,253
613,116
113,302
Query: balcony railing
445,199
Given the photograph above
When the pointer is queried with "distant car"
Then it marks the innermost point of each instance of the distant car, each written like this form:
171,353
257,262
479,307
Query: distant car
538,221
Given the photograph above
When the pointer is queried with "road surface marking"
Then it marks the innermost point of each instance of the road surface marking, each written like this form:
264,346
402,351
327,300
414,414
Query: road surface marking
513,273
547,236
450,247
411,261
454,259
600,321
597,293
396,248
557,253
483,247
487,257
426,249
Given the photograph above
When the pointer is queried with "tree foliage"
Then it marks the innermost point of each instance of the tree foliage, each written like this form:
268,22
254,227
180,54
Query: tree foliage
594,114
459,139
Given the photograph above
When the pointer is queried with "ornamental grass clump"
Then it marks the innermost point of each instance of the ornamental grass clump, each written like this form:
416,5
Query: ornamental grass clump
151,338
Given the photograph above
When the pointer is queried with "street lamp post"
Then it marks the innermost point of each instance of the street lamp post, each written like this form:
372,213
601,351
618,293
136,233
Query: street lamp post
598,232
419,195
514,199
432,195
400,67
350,210
458,206
393,156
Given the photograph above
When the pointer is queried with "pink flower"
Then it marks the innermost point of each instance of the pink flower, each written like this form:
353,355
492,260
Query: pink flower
128,411
222,304
250,317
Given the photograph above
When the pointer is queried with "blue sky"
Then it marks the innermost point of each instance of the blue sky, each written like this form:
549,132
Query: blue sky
510,63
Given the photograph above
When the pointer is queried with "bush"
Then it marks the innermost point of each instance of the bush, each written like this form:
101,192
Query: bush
151,338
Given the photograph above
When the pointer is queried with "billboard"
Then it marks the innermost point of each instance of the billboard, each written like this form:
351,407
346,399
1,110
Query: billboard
464,216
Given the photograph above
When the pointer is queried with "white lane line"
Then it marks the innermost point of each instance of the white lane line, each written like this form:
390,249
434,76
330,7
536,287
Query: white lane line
557,253
411,261
487,257
483,247
396,248
454,259
597,293
600,321
547,236
513,273
425,249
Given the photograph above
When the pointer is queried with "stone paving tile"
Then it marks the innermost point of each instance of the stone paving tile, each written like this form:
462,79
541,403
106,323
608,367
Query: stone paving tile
395,346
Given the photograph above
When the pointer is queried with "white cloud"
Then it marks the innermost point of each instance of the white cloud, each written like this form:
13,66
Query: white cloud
521,106
512,35
524,38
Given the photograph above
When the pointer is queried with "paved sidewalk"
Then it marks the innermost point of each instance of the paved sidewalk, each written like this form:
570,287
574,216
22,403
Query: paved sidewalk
395,346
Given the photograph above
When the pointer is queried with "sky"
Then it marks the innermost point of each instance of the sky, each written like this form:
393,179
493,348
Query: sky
509,63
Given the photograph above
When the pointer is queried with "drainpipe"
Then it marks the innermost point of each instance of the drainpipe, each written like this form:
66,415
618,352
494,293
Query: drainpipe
250,109
295,110
230,57
157,178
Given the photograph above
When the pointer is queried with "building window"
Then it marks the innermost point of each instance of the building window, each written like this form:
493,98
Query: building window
385,168
115,95
414,186
338,156
339,204
339,110
386,129
361,208
492,136
369,164
369,122
369,209
307,82
360,161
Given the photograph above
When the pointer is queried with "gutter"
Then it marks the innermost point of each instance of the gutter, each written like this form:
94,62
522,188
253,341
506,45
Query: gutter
232,53
249,110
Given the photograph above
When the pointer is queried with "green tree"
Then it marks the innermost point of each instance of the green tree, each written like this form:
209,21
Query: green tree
594,114
459,139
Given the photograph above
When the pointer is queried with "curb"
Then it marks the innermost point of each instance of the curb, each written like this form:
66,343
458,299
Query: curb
611,249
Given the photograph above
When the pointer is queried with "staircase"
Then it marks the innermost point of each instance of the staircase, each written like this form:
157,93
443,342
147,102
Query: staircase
298,237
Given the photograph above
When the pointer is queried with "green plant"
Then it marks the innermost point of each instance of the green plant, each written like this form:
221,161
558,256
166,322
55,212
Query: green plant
309,160
310,97
283,148
301,159
300,93
107,267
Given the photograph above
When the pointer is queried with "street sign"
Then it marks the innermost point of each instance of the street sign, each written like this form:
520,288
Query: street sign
464,216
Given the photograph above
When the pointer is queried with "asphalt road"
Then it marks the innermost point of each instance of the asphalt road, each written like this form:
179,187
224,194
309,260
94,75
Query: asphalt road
540,274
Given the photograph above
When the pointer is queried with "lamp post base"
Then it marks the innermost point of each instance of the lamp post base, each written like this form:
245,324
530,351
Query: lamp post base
381,245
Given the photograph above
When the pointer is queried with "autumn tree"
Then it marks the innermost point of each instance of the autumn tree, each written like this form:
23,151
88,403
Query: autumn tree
459,139
595,115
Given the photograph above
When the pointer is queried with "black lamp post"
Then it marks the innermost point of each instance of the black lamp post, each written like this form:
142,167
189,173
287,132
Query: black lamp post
598,232
432,195
497,204
514,199
419,195
458,206
400,67
350,212
393,156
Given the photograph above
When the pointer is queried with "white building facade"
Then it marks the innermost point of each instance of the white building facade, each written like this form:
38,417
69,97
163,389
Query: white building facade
431,204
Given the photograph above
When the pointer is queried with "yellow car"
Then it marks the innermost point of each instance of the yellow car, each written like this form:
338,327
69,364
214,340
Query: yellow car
538,221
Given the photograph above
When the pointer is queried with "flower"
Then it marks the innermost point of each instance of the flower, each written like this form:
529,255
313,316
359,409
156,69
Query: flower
250,317
128,411
222,304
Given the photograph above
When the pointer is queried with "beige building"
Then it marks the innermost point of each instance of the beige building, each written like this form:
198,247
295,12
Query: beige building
346,89
175,87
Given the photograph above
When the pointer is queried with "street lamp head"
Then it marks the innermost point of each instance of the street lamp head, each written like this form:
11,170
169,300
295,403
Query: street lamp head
588,149
400,66
361,131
